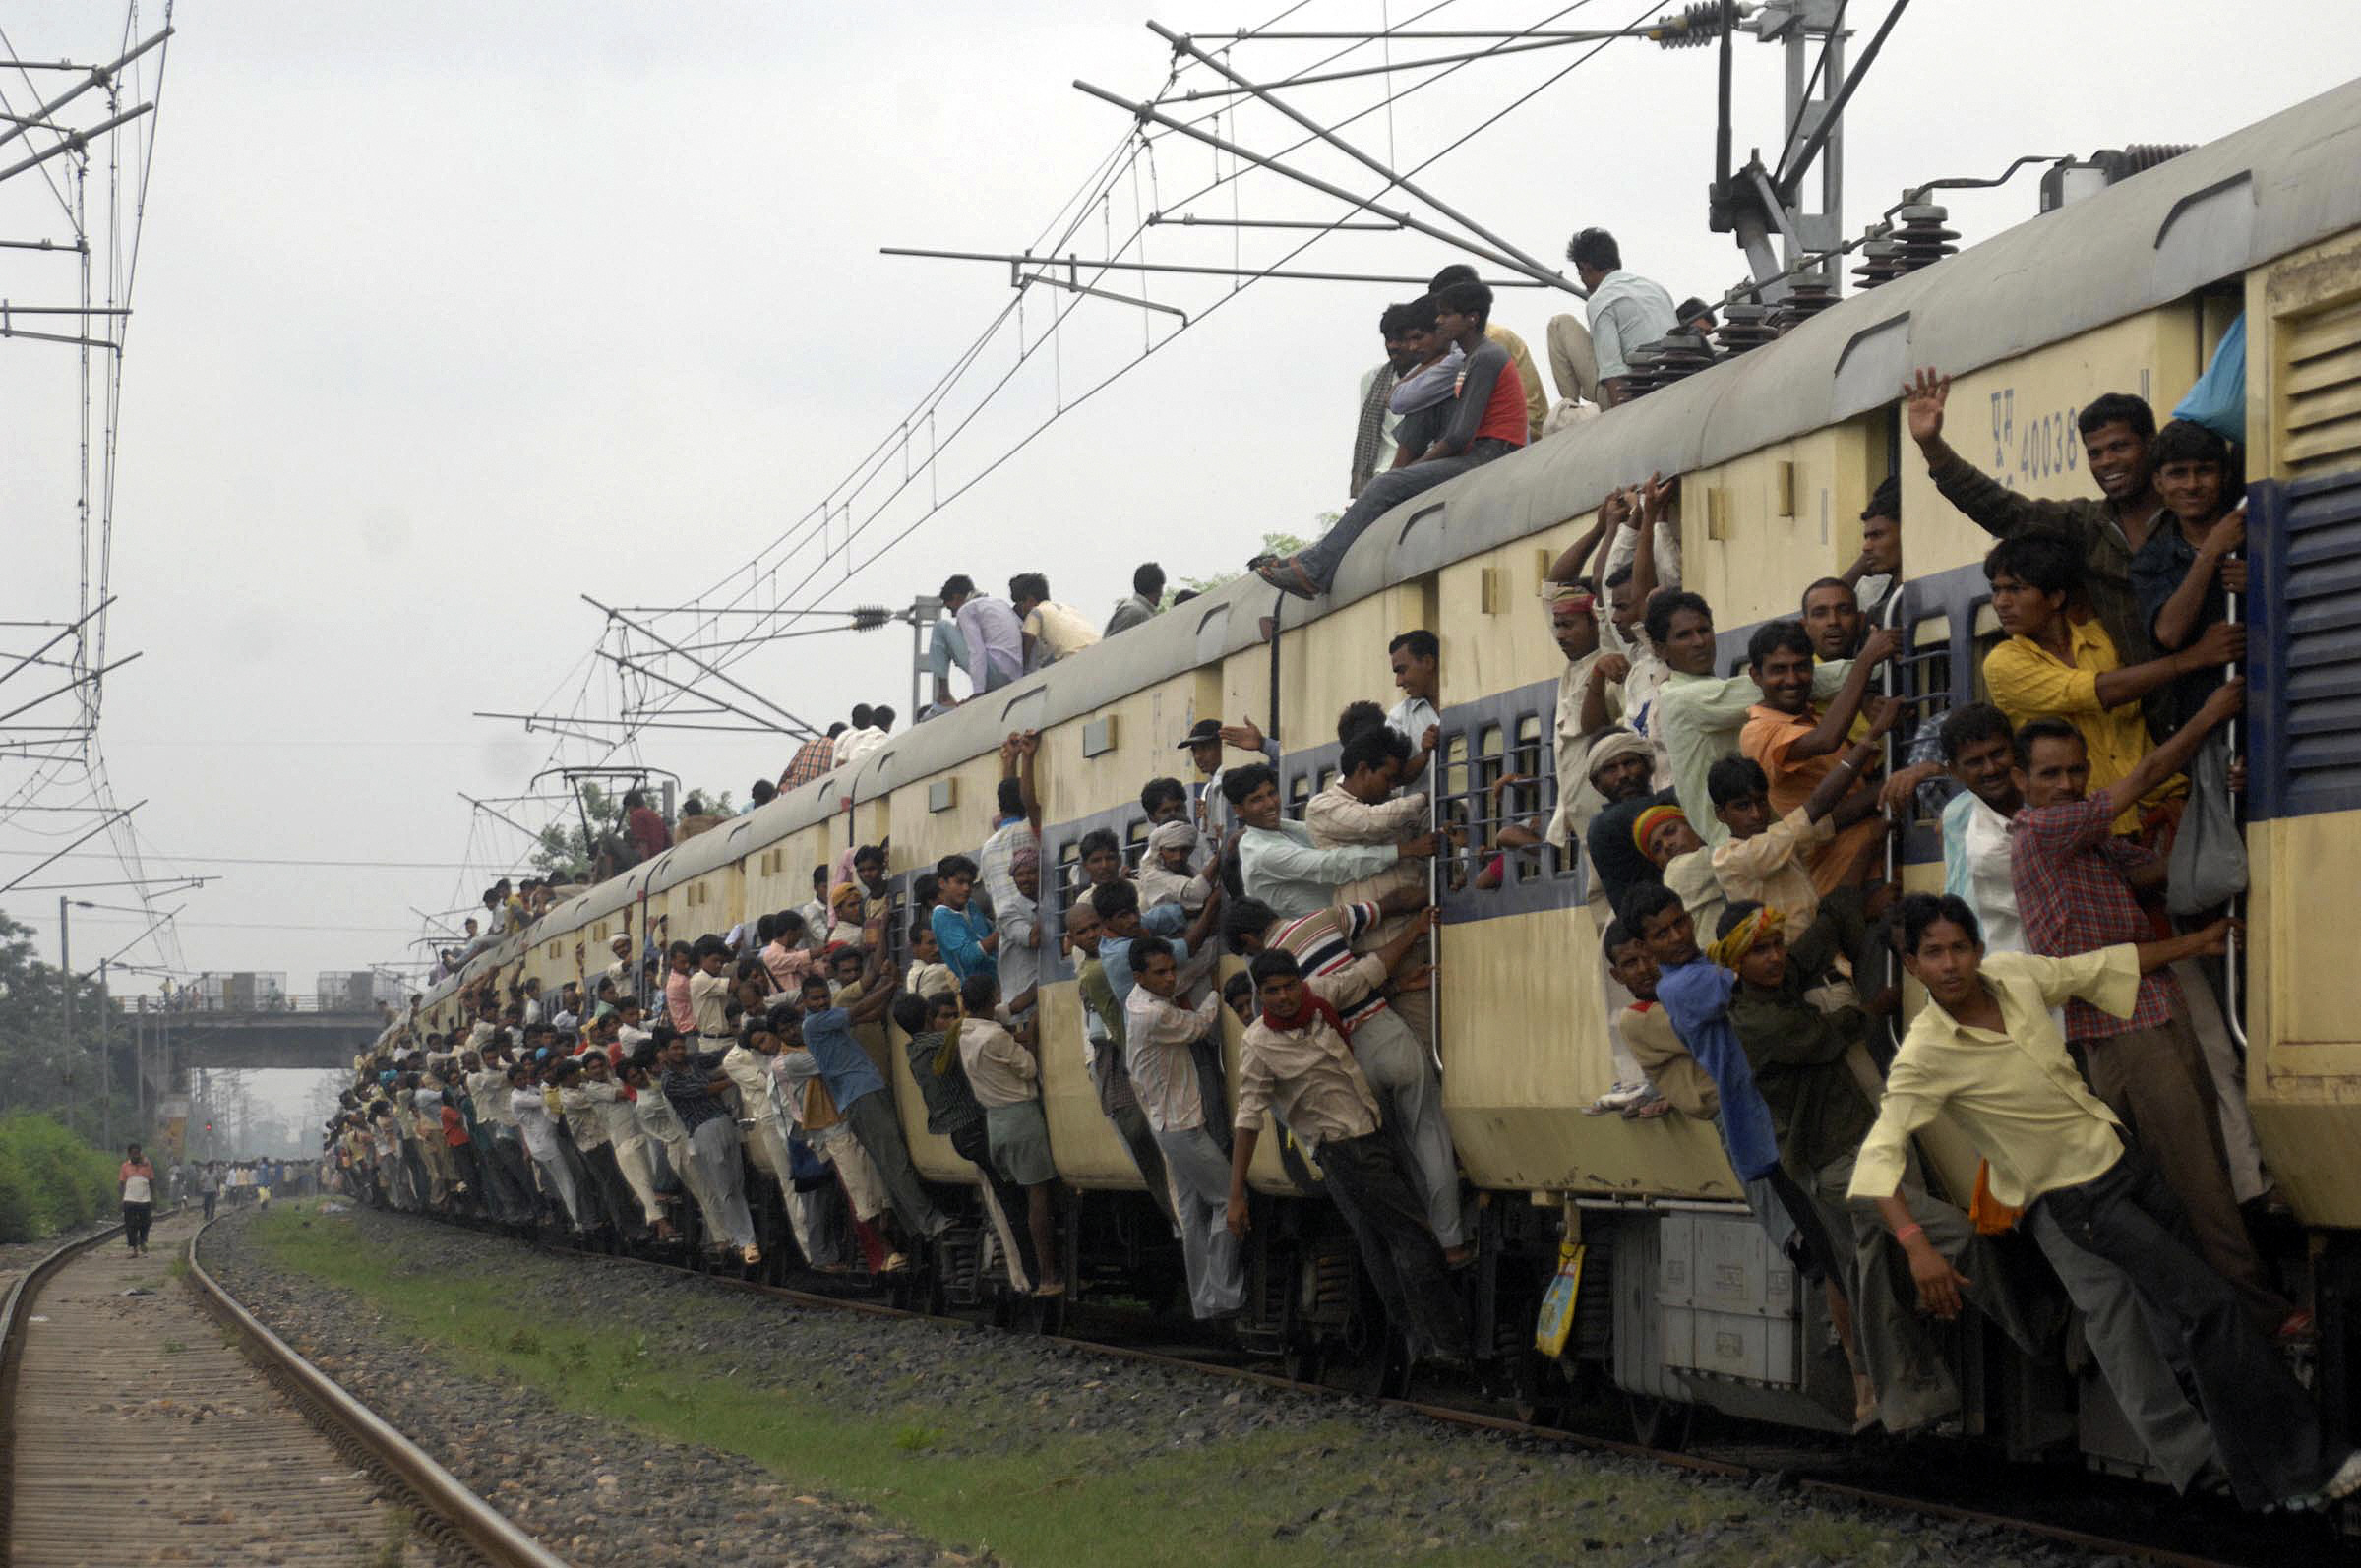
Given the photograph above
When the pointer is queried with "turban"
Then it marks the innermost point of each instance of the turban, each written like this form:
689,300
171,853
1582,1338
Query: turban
1740,939
1024,858
1575,595
1614,745
1172,835
1644,826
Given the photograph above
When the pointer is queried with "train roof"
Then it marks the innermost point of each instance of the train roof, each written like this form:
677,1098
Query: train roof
2211,212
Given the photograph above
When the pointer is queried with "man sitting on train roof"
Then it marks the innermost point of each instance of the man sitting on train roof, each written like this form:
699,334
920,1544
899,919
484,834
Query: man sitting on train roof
1488,420
1528,376
1700,715
2076,887
1985,1051
1145,603
994,637
1799,748
1800,1031
2185,573
812,759
1626,311
865,735
2115,430
1279,861
1373,445
2058,661
1051,631
1296,1061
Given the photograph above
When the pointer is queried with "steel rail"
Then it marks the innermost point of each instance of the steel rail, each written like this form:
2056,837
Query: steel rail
443,1498
13,1318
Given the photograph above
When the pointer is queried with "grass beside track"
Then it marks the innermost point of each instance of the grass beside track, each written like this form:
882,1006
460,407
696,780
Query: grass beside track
1037,1495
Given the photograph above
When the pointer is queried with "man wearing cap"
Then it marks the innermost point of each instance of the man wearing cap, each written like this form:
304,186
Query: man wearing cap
1204,742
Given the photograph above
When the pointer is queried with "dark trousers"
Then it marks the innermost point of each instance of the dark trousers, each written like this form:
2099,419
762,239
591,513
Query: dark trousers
615,1193
2263,1423
1384,493
1364,1176
2156,1081
872,1123
137,1217
210,1199
974,1145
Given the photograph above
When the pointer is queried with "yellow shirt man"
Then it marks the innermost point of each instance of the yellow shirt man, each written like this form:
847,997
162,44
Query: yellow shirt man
2028,681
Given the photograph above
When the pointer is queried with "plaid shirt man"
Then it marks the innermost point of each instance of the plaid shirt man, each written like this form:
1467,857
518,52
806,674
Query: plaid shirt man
2070,867
812,760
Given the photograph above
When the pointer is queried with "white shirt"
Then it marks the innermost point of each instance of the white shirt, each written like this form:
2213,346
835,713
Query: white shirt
749,1070
658,1117
1157,1035
618,1115
854,745
1627,311
1991,891
533,1120
1640,688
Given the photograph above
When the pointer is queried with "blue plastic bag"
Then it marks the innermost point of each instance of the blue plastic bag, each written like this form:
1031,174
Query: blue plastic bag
2218,399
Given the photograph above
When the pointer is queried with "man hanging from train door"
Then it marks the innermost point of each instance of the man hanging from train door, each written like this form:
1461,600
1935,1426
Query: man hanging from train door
2075,879
1985,1051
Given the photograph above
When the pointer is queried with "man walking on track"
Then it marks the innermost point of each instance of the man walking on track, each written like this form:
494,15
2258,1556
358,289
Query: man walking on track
138,1180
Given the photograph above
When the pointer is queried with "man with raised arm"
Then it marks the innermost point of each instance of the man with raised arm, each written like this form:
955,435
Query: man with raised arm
2107,532
2077,883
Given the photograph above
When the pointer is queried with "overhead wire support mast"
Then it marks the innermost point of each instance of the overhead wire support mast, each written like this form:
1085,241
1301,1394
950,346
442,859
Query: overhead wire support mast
1524,263
1535,40
98,77
800,726
1147,112
73,141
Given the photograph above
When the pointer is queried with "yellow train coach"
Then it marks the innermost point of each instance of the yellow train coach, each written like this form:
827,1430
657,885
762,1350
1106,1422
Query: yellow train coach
2129,289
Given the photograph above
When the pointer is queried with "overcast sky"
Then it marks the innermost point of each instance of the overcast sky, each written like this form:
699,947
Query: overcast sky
451,312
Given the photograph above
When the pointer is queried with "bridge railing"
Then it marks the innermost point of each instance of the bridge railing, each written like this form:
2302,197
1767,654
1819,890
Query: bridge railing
272,1003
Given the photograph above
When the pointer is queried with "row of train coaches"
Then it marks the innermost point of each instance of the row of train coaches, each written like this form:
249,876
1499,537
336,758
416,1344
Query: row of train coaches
2128,290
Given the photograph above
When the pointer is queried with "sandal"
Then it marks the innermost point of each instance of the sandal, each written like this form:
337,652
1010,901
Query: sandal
1288,577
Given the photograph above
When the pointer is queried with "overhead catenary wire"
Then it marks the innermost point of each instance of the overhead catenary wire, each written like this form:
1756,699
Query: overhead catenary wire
852,527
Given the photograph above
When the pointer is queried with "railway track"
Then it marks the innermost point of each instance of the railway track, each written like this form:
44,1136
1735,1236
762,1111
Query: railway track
151,1419
2254,1543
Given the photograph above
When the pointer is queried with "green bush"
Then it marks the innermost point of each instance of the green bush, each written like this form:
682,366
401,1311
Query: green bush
50,1181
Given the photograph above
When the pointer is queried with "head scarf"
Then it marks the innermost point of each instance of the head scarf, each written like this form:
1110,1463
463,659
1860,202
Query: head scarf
1024,858
1740,939
1644,826
1612,746
1172,835
1573,594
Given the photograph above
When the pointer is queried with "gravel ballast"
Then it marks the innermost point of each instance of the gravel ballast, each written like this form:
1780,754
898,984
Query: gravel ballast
598,1491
